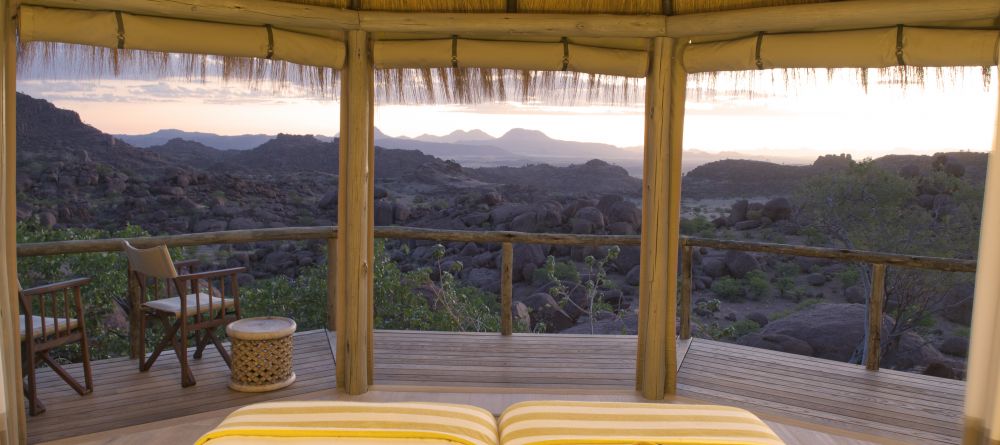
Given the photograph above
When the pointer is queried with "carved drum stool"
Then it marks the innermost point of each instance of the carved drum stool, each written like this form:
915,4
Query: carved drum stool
262,353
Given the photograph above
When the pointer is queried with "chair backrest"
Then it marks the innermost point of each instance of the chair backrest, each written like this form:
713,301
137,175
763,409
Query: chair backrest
56,305
154,262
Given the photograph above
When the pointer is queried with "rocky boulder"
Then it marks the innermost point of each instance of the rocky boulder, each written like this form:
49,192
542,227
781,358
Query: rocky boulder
835,331
593,216
527,258
384,213
777,342
738,211
778,209
740,264
543,308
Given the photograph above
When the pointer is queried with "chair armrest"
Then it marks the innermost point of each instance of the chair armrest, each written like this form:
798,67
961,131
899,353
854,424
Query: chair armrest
186,264
54,287
211,274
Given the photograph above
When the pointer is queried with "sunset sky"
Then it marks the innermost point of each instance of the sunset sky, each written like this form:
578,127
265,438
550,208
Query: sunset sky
811,117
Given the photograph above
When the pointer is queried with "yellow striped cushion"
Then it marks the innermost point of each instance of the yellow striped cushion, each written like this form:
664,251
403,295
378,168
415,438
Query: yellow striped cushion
606,423
459,424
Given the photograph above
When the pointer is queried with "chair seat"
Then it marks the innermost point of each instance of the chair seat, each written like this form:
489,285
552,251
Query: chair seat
49,323
173,305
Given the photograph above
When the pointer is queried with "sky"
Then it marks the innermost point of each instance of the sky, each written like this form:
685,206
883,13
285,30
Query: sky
802,117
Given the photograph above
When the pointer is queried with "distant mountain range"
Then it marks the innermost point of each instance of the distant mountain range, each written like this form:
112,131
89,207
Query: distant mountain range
476,148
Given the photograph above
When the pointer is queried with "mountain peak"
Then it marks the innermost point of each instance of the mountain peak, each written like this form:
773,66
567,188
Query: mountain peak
457,136
525,134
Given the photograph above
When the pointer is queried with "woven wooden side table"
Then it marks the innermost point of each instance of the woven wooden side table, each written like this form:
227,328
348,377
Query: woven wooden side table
262,353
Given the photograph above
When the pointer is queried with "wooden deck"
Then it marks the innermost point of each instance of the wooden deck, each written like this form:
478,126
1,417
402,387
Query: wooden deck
802,394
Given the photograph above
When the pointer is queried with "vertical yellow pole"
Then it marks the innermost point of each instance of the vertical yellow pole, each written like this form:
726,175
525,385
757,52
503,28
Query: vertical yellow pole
506,288
12,391
354,220
656,364
331,284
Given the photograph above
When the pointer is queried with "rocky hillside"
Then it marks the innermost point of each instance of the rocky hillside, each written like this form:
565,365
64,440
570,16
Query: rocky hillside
733,178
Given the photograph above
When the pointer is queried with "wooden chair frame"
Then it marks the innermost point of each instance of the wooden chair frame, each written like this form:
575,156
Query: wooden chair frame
203,321
36,348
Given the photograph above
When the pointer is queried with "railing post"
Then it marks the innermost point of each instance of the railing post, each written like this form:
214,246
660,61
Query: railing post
135,311
506,288
331,284
686,277
873,341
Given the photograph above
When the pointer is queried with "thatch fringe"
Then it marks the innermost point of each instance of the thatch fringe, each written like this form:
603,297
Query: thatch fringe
81,61
763,83
479,85
395,86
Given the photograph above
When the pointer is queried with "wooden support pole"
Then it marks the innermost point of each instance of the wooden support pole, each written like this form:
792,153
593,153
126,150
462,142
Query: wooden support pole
686,278
13,426
656,364
331,284
873,339
506,288
354,220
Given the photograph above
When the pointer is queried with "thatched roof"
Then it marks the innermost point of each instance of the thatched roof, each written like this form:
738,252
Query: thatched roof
464,85
669,7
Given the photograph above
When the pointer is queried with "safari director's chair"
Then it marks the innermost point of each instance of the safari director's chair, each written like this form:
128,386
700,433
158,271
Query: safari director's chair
192,303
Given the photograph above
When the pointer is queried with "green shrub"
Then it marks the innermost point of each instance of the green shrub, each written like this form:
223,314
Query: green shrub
757,284
728,288
849,277
697,226
302,298
744,327
107,327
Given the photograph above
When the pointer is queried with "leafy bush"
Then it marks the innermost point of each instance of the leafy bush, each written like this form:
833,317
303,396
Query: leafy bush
561,270
411,300
698,226
744,327
107,325
408,300
302,298
728,288
849,277
593,287
757,284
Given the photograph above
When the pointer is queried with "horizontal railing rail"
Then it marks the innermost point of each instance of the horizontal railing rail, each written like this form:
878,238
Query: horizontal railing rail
329,233
878,260
845,255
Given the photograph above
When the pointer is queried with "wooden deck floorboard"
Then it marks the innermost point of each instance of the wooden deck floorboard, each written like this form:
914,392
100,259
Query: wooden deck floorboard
807,390
892,404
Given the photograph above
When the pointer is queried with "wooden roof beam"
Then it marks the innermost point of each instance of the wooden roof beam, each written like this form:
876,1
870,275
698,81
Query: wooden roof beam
856,14
806,17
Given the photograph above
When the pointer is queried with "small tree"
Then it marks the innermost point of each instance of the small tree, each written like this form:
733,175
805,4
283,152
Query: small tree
866,207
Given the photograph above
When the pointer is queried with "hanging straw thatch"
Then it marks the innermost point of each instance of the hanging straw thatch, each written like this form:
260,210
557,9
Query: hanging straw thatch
47,59
478,85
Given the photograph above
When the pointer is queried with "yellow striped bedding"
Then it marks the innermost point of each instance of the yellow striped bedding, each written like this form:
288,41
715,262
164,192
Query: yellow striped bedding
355,423
610,423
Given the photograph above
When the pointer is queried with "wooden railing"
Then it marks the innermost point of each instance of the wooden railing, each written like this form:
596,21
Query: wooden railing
879,262
329,233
